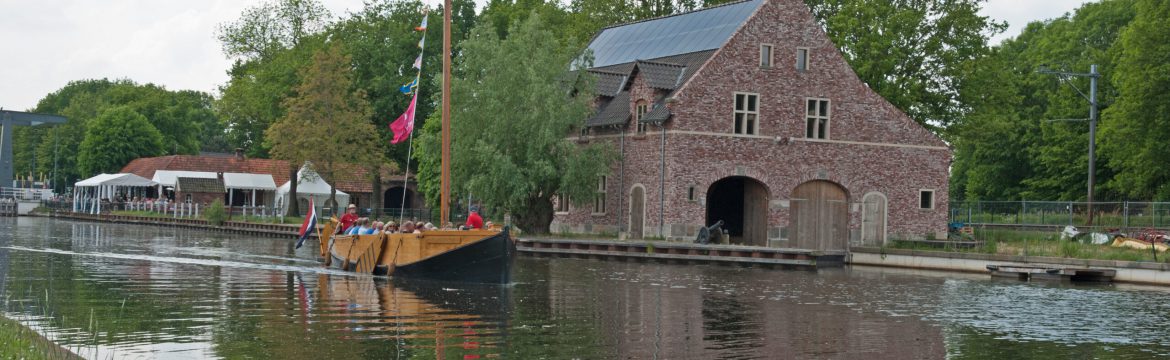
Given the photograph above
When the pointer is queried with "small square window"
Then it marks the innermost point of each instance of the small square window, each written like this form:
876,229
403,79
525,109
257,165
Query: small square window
765,55
817,119
747,113
801,59
926,199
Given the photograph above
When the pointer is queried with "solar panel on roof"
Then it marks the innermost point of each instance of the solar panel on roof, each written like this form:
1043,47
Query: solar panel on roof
672,35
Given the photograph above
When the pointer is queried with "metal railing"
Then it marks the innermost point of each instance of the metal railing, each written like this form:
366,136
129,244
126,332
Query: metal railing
1123,215
25,194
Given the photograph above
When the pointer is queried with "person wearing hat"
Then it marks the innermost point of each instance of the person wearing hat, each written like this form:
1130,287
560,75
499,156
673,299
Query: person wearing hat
474,221
349,217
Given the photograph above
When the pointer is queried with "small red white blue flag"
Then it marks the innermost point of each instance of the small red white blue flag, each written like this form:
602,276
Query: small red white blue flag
309,225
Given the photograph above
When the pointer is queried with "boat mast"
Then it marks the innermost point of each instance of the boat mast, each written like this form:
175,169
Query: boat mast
444,199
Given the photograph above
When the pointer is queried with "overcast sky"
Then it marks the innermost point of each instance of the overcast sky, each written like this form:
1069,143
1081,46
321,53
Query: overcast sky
44,44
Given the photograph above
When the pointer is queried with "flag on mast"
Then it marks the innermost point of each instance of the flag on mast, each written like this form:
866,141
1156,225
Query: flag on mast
422,27
405,123
309,225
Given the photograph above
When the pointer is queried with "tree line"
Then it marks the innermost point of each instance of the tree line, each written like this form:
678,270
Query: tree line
310,85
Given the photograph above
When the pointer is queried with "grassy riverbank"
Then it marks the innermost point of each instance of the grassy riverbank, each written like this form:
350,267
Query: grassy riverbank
1038,243
19,342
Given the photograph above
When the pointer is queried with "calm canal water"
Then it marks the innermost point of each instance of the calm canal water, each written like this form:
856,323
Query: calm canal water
123,291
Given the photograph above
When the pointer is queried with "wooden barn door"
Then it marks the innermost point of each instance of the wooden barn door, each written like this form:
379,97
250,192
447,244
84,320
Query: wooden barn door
755,214
873,220
637,212
820,216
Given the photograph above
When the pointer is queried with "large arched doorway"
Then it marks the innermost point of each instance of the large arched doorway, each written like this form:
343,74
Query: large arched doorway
742,204
820,216
873,219
393,197
637,212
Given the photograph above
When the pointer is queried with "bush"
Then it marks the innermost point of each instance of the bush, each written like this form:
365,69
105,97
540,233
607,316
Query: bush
215,213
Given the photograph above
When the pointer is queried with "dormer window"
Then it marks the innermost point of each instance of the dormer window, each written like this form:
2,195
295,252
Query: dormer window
766,56
640,110
747,113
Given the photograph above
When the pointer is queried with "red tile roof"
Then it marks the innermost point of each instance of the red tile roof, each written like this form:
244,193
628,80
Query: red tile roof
355,181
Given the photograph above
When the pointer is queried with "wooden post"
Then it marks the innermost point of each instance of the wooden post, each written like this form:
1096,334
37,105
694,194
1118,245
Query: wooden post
444,199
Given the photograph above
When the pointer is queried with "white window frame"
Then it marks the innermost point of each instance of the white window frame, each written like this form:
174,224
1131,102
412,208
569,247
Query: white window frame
802,65
746,113
816,116
599,198
563,205
640,109
933,200
770,56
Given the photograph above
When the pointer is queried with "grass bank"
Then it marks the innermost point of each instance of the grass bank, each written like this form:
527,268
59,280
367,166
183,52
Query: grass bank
19,342
1038,243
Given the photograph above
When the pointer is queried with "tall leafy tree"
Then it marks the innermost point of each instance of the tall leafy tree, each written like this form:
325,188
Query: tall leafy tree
117,136
327,121
1137,126
511,112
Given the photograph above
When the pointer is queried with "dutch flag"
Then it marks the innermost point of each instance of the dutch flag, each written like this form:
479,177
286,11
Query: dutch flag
309,225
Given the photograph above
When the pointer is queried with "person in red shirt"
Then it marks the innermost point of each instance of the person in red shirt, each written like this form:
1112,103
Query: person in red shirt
349,217
474,221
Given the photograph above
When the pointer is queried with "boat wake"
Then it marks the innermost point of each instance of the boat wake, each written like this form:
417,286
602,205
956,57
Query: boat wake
204,262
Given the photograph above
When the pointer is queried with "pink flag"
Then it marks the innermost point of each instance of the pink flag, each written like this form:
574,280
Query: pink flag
405,123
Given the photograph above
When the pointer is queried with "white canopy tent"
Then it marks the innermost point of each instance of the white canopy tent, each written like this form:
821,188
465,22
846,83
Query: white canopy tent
88,193
311,186
247,182
168,178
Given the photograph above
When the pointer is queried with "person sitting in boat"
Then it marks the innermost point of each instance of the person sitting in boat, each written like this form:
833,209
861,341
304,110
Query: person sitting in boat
377,228
408,227
391,227
429,226
474,221
349,217
358,227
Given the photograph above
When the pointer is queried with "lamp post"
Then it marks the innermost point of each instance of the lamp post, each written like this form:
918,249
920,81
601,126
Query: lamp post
1092,97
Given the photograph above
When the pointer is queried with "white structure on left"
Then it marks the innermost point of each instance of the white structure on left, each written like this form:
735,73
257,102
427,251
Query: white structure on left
89,194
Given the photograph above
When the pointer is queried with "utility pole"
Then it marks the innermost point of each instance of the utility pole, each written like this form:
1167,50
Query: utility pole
1092,97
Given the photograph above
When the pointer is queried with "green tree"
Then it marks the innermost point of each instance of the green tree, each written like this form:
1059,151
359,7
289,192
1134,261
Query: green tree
1136,127
912,52
511,114
117,136
327,122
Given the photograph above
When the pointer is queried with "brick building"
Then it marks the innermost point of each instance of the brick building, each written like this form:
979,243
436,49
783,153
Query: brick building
199,190
747,113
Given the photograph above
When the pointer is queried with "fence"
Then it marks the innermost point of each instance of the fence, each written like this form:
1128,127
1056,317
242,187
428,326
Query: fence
1121,215
25,194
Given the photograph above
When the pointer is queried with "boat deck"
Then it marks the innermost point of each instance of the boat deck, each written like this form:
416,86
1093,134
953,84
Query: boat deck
682,253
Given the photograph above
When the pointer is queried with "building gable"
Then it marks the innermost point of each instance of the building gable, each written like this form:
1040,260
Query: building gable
705,102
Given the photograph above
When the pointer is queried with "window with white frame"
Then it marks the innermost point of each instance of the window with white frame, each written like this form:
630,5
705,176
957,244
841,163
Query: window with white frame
801,59
599,198
640,110
765,55
747,113
562,204
817,119
926,199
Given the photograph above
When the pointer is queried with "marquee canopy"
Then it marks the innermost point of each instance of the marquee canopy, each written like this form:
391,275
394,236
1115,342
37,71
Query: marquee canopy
249,181
119,180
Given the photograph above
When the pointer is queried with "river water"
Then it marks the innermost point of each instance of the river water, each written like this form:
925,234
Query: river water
112,291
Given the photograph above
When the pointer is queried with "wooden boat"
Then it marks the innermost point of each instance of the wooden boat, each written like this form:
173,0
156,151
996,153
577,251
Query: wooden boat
481,256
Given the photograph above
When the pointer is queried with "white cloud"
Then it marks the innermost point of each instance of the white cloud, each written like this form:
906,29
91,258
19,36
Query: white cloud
1018,13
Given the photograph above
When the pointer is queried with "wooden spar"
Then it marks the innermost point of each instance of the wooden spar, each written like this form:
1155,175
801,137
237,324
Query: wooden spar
444,199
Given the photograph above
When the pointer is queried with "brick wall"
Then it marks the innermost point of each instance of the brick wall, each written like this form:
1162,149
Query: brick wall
872,146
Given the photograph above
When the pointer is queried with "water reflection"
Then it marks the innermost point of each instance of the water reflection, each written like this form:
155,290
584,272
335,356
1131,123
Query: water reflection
122,291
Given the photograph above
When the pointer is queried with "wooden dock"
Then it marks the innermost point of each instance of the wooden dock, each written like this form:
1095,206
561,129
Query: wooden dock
682,253
1052,273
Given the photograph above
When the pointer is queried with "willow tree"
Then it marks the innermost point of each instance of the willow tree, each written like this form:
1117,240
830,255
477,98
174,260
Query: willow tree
327,122
511,115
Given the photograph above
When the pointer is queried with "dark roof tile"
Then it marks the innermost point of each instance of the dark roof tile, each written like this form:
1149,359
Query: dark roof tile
613,112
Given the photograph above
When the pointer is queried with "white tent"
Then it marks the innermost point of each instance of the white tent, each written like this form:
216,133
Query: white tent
170,177
250,183
88,193
311,186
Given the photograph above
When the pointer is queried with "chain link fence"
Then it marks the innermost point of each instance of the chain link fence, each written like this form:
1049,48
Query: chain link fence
1122,215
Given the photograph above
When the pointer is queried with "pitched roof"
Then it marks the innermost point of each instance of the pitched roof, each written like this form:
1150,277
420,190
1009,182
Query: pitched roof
704,29
199,185
658,114
350,178
609,83
661,75
616,111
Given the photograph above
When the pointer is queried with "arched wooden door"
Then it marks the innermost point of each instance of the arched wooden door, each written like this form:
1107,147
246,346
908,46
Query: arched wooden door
637,212
742,204
820,216
873,220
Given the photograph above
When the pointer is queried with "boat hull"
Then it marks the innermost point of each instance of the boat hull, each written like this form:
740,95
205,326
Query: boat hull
486,261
